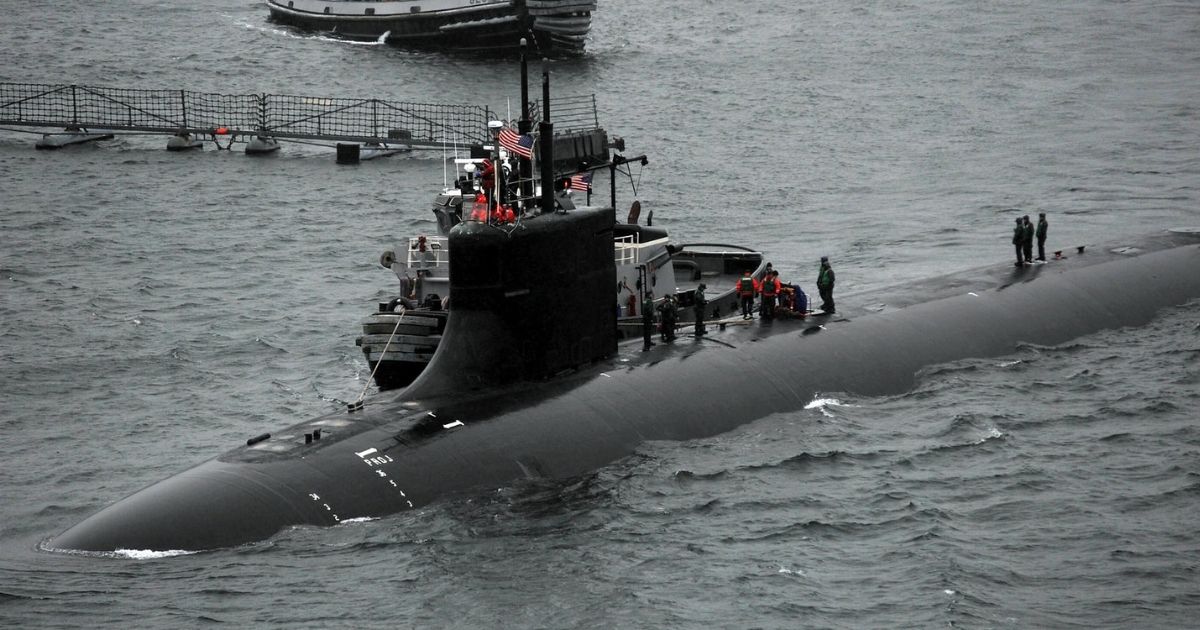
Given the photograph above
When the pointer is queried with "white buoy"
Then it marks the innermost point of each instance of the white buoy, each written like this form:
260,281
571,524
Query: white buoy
372,150
183,142
260,145
72,135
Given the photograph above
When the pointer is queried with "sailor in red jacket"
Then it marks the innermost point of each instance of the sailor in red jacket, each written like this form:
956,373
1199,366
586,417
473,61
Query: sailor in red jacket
747,287
479,208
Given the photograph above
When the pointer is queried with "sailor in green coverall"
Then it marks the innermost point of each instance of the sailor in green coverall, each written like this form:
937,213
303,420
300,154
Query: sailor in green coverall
1019,240
1028,240
1042,227
825,285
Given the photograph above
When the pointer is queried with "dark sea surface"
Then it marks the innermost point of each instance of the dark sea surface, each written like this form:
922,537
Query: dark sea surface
156,309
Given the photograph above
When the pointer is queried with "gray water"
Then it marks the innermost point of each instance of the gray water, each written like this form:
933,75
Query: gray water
156,309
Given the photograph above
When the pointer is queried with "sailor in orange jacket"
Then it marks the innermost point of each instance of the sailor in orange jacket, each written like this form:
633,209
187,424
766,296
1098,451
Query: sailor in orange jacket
479,208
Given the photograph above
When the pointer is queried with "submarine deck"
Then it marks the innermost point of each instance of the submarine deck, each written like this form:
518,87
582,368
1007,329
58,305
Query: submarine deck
421,418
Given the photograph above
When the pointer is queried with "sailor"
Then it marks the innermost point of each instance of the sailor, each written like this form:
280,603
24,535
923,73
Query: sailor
1042,227
792,300
408,285
1028,241
747,286
479,208
1019,240
825,285
503,214
668,316
770,289
487,177
799,301
698,304
647,318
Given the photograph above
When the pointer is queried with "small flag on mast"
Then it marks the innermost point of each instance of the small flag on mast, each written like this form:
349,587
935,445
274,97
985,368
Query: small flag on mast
521,144
580,181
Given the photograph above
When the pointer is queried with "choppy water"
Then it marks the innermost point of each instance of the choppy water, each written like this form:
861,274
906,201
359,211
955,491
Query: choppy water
157,308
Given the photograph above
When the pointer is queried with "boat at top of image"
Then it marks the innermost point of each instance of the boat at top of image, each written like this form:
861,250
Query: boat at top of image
553,27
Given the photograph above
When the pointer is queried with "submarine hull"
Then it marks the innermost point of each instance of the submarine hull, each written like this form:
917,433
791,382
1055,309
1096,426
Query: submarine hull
406,449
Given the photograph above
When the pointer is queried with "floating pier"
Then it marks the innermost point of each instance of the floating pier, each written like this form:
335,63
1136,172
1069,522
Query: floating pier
368,127
259,121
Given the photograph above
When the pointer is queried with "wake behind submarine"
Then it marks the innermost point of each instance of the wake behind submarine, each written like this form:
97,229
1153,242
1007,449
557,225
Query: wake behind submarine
518,390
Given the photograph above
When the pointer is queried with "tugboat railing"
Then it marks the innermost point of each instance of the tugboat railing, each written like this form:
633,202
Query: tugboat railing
435,256
625,249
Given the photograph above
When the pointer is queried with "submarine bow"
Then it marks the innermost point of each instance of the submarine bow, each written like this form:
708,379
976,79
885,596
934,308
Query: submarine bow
484,415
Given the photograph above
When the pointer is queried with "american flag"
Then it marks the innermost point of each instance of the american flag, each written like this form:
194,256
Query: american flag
521,144
580,181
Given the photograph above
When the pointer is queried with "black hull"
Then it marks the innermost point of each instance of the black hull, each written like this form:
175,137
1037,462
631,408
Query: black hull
438,438
491,31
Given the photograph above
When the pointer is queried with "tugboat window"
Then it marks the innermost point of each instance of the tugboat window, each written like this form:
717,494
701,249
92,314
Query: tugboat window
370,11
327,9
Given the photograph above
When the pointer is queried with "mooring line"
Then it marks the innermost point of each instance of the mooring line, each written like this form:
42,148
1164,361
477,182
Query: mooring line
357,403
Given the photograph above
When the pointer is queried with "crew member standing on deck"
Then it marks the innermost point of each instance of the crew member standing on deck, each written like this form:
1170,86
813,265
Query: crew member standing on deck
770,289
825,285
1028,240
487,178
668,315
699,302
1019,241
1042,228
747,287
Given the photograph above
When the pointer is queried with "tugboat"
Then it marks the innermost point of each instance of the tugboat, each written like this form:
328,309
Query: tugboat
400,339
554,27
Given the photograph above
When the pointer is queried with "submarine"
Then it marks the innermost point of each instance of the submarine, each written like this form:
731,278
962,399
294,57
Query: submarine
519,390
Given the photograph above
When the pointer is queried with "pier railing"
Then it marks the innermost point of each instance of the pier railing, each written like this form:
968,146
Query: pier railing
277,116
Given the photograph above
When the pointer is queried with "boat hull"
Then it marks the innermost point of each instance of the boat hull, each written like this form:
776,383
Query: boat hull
438,438
552,27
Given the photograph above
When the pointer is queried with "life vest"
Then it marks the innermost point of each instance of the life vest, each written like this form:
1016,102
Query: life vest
746,286
488,175
823,280
770,288
479,208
